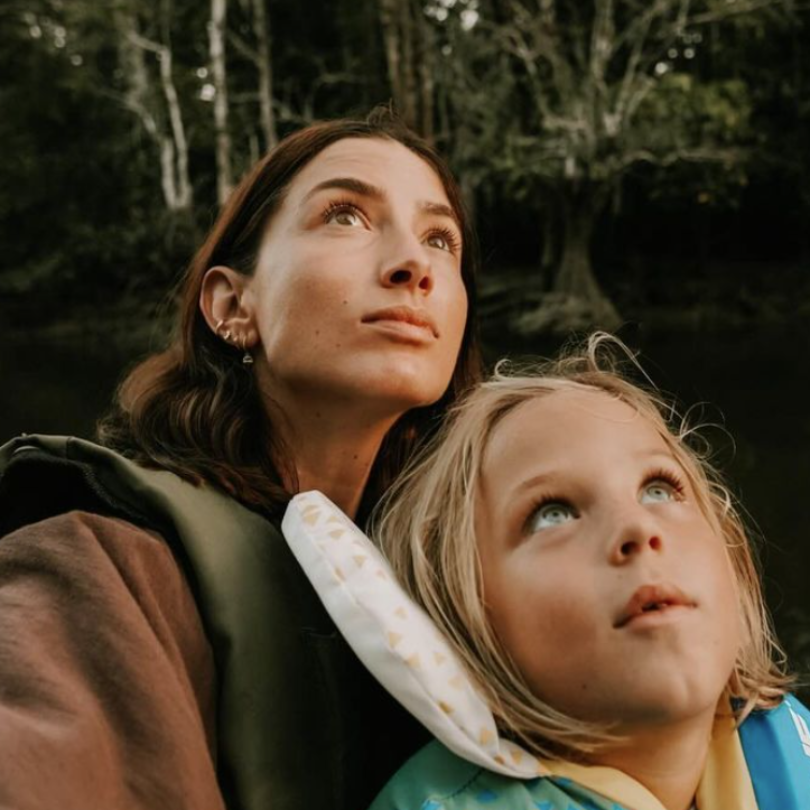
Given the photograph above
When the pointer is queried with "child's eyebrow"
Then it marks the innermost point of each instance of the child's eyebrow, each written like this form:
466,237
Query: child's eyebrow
651,455
657,453
529,483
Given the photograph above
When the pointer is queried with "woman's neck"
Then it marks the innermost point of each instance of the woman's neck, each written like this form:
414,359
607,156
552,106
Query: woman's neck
669,761
333,448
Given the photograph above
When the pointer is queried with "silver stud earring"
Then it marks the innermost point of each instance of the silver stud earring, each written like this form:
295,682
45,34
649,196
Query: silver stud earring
224,334
247,357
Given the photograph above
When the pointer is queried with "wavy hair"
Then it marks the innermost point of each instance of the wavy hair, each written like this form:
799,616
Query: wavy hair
426,528
194,410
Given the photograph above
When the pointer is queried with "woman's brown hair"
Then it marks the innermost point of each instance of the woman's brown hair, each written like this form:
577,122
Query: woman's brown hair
194,410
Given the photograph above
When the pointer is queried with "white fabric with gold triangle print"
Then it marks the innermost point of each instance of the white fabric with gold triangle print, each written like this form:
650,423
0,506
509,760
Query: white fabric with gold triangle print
394,637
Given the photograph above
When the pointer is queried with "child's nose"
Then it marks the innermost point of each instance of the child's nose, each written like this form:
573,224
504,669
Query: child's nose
639,533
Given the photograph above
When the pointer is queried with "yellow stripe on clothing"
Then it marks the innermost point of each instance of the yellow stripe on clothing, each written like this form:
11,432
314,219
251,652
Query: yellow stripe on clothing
725,782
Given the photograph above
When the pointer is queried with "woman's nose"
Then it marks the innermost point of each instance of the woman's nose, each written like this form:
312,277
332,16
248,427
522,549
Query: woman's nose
638,533
409,268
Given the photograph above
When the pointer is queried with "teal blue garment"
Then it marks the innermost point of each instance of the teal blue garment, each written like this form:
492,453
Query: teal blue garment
437,779
775,743
774,777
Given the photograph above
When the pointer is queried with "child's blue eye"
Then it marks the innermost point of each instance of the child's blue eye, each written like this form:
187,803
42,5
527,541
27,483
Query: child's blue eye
549,515
659,491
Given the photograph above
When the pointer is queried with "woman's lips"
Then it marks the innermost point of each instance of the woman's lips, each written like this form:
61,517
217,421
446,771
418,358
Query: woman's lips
404,320
650,603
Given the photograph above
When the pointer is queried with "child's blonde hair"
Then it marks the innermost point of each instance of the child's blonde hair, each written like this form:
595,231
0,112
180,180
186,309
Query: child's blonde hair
426,528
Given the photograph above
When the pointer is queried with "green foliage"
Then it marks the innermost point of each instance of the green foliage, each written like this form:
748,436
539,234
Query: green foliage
538,104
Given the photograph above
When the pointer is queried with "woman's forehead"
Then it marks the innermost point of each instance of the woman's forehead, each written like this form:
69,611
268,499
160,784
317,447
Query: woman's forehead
381,163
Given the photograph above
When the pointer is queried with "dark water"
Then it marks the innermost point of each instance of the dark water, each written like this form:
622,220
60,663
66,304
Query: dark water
57,387
757,383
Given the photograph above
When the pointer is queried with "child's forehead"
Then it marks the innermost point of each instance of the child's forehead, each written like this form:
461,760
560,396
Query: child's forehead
564,418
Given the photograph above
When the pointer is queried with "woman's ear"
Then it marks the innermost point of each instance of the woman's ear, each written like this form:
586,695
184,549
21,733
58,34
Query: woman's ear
225,305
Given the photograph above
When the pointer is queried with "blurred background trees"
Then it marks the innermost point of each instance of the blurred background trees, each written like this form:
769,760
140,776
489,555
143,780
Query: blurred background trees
593,140
642,160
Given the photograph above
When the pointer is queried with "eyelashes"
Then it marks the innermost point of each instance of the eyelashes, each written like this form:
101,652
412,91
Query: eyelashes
551,510
668,477
451,239
339,206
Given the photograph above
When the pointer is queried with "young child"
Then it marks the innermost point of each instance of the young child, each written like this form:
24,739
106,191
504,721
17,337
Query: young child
594,577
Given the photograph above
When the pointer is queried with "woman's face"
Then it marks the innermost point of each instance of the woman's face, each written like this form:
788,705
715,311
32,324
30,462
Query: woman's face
602,577
357,293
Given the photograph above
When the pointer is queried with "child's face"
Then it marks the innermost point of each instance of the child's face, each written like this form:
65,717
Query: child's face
602,577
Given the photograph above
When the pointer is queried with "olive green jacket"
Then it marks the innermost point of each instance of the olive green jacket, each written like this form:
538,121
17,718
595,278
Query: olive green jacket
300,723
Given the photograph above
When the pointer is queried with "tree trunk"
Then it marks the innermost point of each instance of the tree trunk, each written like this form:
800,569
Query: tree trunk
408,81
575,278
216,33
142,99
425,70
184,192
390,29
409,59
549,235
261,28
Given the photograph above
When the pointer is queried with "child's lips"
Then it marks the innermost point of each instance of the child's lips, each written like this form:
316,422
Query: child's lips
649,600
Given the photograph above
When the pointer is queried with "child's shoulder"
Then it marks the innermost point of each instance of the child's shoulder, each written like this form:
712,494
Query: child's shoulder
433,778
776,744
437,779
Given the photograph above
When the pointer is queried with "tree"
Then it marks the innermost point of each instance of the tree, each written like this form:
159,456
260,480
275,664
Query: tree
160,113
261,27
410,57
216,33
593,91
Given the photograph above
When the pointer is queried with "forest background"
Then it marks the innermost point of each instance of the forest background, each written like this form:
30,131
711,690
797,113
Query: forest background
636,164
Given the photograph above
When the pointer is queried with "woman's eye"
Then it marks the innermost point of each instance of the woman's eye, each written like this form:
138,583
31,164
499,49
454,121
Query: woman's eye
344,215
550,515
443,240
659,491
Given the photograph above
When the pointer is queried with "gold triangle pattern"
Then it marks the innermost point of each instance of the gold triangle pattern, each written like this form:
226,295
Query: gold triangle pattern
428,654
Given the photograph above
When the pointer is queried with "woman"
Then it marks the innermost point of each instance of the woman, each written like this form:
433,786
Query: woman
159,645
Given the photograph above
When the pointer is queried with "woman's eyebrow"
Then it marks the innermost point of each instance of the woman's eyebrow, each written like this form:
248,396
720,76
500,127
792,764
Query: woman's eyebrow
364,189
439,210
349,184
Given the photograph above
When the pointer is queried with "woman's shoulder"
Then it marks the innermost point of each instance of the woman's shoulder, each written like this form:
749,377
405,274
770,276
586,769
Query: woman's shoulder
103,565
